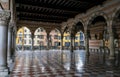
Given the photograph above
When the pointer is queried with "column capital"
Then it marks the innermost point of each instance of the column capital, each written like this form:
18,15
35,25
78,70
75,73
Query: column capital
11,23
4,15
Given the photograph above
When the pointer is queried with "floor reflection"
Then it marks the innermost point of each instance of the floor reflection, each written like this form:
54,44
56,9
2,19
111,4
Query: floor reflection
56,63
80,59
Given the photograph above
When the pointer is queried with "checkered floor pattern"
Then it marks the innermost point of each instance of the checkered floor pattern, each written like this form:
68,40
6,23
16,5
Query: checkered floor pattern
55,63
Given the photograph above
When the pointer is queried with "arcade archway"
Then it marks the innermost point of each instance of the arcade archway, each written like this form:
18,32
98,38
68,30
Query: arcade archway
40,39
23,39
97,32
79,36
55,39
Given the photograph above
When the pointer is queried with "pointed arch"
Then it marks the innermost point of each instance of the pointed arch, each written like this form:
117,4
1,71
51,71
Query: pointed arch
79,20
96,14
55,38
37,29
23,39
40,38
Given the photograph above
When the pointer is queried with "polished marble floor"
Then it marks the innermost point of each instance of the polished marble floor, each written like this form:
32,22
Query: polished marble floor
56,63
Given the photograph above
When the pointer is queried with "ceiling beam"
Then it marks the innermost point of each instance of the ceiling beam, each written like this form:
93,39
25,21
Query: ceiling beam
82,1
43,20
50,5
39,7
37,23
44,15
47,12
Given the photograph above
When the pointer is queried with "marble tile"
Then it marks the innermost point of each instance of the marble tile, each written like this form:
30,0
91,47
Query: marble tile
61,64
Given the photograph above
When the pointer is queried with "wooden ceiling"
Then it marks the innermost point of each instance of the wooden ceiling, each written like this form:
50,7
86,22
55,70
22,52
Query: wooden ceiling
53,11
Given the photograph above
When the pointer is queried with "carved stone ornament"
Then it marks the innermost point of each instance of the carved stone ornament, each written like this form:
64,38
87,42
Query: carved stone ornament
4,15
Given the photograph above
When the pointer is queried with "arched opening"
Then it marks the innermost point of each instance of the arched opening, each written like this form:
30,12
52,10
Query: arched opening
66,40
79,45
40,39
97,32
55,39
23,39
98,39
79,36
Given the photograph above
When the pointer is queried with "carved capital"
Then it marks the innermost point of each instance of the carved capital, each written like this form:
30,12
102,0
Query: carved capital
4,15
11,24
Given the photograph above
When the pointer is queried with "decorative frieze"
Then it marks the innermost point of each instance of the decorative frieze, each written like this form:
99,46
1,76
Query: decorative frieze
4,15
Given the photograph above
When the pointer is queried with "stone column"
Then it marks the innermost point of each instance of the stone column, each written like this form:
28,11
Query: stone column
103,40
87,43
72,49
62,41
48,42
48,46
87,46
62,36
10,33
32,38
9,50
112,51
72,42
111,43
23,42
13,44
111,39
4,20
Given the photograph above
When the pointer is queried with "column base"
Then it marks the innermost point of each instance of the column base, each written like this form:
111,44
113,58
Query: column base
4,72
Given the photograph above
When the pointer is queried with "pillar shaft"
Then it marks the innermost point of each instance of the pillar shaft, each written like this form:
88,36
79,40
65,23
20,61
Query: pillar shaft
3,44
111,39
112,51
32,38
23,43
10,34
13,42
4,20
48,41
72,43
61,41
9,44
87,43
